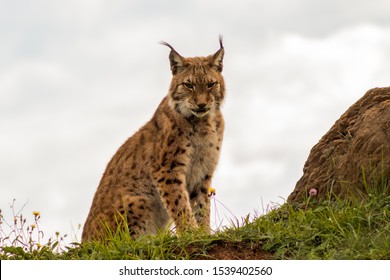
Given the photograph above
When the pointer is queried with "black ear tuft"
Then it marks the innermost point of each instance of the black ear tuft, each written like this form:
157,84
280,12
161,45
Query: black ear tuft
175,59
220,41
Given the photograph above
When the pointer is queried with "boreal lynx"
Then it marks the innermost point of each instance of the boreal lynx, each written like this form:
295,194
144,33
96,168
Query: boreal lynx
163,172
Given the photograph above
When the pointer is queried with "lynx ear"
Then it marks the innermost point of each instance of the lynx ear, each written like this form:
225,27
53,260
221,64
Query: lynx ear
217,58
176,60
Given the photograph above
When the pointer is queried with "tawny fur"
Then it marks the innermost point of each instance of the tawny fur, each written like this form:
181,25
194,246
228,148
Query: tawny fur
163,172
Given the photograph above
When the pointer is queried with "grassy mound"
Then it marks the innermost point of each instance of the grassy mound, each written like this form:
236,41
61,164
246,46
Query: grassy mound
331,229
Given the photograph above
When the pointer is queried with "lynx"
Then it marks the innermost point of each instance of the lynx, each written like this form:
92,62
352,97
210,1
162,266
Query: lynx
162,174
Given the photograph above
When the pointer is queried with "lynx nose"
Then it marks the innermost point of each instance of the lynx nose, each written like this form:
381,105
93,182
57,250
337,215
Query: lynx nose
202,105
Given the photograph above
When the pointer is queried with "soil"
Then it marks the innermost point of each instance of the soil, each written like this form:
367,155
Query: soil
231,251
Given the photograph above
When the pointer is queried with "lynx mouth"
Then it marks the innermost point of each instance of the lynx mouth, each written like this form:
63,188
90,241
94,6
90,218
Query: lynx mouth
200,112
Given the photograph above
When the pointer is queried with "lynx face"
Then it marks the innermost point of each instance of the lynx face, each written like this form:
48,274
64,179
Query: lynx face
197,87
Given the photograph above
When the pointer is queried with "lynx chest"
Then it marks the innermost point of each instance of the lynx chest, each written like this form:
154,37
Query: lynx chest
205,146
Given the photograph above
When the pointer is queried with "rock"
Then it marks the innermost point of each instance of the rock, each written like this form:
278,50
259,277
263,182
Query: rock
353,154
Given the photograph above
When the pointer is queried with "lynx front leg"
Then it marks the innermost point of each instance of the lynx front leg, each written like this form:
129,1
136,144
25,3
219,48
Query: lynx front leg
171,186
200,203
176,202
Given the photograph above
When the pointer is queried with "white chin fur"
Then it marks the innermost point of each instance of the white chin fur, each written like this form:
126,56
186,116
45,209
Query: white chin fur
200,115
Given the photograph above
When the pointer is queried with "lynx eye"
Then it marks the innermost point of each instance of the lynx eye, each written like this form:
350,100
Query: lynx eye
188,85
211,84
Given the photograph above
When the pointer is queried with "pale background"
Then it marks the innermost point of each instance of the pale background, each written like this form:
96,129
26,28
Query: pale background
79,77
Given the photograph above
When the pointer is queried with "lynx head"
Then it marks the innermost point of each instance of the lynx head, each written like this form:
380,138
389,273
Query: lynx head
197,87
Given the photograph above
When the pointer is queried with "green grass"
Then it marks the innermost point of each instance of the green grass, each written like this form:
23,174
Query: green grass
332,229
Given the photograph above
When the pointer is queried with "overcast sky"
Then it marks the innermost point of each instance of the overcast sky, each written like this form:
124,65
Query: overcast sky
77,78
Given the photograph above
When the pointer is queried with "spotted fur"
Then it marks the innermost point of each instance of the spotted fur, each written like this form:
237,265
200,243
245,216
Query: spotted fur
163,172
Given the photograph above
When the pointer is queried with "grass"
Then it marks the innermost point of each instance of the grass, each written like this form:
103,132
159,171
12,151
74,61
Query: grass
331,229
